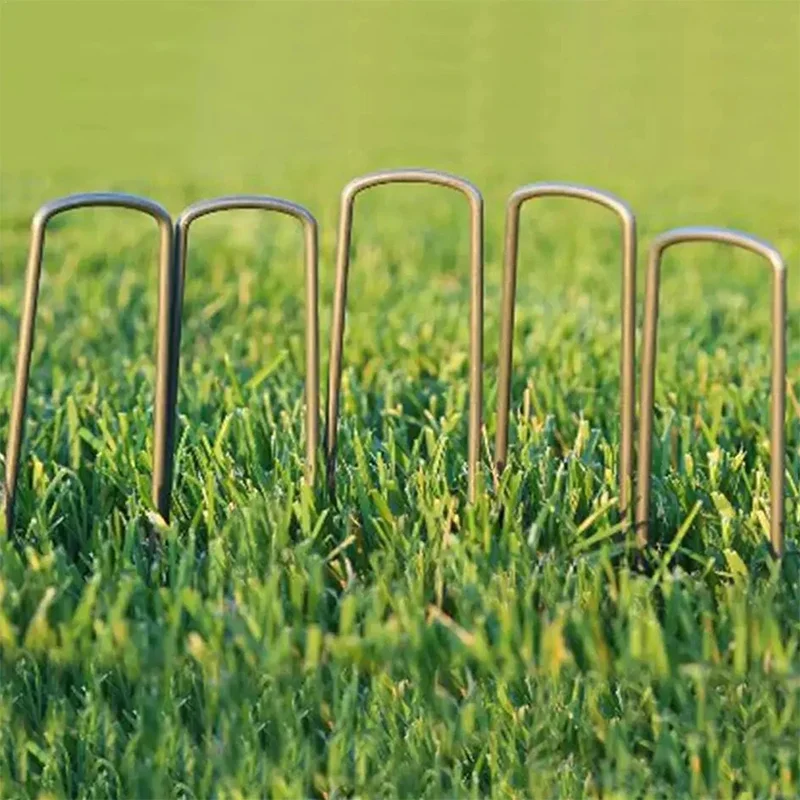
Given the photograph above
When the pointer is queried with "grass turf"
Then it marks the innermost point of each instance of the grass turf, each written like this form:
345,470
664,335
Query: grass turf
401,644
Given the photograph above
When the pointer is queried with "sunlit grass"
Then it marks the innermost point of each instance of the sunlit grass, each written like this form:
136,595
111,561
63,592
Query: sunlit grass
401,643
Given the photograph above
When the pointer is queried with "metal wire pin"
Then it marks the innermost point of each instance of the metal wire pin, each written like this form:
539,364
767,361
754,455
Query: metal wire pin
628,325
309,223
778,390
419,176
166,289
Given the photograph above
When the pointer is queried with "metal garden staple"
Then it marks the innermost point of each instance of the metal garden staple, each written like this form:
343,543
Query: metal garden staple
628,306
166,290
778,388
349,193
172,269
309,223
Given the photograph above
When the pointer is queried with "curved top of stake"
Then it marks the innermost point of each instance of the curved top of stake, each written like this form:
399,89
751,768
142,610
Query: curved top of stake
701,233
413,175
243,202
100,200
547,189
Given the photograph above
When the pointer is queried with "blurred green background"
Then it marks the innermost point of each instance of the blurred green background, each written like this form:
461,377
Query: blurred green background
689,110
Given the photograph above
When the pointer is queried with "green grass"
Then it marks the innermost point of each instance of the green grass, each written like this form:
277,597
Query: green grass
403,643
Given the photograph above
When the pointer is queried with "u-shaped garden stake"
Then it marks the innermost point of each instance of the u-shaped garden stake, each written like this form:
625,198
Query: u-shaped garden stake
778,389
309,223
476,305
628,304
166,288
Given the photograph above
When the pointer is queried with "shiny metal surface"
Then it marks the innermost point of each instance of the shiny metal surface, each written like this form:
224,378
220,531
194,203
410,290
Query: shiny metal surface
166,288
421,176
778,388
309,224
628,325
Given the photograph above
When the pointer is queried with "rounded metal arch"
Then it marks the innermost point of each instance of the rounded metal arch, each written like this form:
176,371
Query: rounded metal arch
166,289
306,218
473,195
778,389
628,325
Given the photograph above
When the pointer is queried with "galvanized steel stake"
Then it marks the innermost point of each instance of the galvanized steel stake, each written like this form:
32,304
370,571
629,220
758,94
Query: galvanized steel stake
476,305
628,332
309,223
166,288
778,390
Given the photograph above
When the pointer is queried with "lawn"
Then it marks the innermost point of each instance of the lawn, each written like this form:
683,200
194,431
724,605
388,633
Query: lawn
400,642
